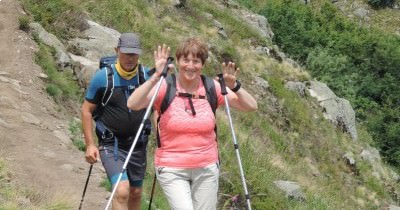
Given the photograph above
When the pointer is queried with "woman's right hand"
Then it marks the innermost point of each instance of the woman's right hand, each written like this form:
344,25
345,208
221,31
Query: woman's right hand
160,58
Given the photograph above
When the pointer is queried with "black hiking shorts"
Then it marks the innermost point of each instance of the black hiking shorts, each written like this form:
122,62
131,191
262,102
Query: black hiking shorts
113,160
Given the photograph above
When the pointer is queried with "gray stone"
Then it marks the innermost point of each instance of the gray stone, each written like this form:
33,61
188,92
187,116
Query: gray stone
361,13
30,118
394,207
262,50
349,157
320,91
298,87
292,189
258,23
84,70
98,41
220,27
43,76
371,155
337,110
49,39
61,135
261,83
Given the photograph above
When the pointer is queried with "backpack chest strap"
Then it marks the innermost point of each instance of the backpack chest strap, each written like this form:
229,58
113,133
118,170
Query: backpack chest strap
190,97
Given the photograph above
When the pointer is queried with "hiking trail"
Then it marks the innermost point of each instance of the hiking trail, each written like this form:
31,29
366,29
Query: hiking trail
34,138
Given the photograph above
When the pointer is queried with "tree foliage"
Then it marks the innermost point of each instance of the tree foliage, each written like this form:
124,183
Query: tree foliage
359,64
381,3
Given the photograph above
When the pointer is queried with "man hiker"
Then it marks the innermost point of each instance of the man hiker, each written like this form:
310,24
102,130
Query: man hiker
116,125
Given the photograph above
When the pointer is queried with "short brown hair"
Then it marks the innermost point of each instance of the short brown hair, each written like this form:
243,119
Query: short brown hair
194,46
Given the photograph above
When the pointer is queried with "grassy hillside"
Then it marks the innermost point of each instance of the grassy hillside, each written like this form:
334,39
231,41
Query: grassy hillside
286,139
358,58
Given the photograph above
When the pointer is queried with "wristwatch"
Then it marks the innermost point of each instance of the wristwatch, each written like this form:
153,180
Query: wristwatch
237,86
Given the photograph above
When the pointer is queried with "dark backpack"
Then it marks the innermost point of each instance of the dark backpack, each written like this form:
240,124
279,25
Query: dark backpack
170,94
106,62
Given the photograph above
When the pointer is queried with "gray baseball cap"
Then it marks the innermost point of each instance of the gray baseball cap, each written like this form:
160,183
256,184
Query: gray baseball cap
129,43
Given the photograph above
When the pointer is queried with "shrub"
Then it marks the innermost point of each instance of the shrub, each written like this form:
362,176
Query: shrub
23,23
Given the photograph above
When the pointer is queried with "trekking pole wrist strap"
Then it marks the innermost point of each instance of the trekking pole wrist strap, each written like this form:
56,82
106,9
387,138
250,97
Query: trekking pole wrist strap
237,86
222,83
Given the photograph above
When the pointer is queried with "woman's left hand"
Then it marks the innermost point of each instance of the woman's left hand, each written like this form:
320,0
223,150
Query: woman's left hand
229,71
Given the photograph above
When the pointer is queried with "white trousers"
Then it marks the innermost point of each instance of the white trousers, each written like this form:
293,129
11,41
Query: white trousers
190,189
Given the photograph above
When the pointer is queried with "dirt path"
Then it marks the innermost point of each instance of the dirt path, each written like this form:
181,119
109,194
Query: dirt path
33,133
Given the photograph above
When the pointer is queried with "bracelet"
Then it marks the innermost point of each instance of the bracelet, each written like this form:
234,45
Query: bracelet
237,87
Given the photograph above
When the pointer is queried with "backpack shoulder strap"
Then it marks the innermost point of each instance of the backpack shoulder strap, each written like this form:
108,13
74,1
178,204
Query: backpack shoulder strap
142,78
170,92
211,92
109,86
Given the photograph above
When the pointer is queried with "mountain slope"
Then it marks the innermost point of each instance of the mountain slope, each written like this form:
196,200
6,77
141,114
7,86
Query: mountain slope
287,139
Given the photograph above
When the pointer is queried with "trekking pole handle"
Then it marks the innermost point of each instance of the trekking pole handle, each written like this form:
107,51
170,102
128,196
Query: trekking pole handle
222,82
165,70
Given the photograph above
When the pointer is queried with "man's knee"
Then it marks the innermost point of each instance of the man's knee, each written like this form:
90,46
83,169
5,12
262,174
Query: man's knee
122,193
135,193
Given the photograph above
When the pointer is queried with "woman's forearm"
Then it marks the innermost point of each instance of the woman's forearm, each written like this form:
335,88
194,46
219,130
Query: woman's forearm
242,100
140,98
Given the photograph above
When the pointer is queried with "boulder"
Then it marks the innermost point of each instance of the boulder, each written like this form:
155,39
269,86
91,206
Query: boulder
292,189
97,41
62,58
337,110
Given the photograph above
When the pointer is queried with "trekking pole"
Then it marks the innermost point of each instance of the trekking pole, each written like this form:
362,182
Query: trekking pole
84,189
152,190
145,119
235,143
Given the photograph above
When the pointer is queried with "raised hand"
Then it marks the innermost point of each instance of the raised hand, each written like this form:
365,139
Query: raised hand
160,58
229,71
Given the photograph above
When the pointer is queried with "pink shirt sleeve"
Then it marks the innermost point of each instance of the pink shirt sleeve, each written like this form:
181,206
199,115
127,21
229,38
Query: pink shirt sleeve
160,96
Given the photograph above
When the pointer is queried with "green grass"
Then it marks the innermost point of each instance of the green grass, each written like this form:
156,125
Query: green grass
106,184
61,84
75,130
23,23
